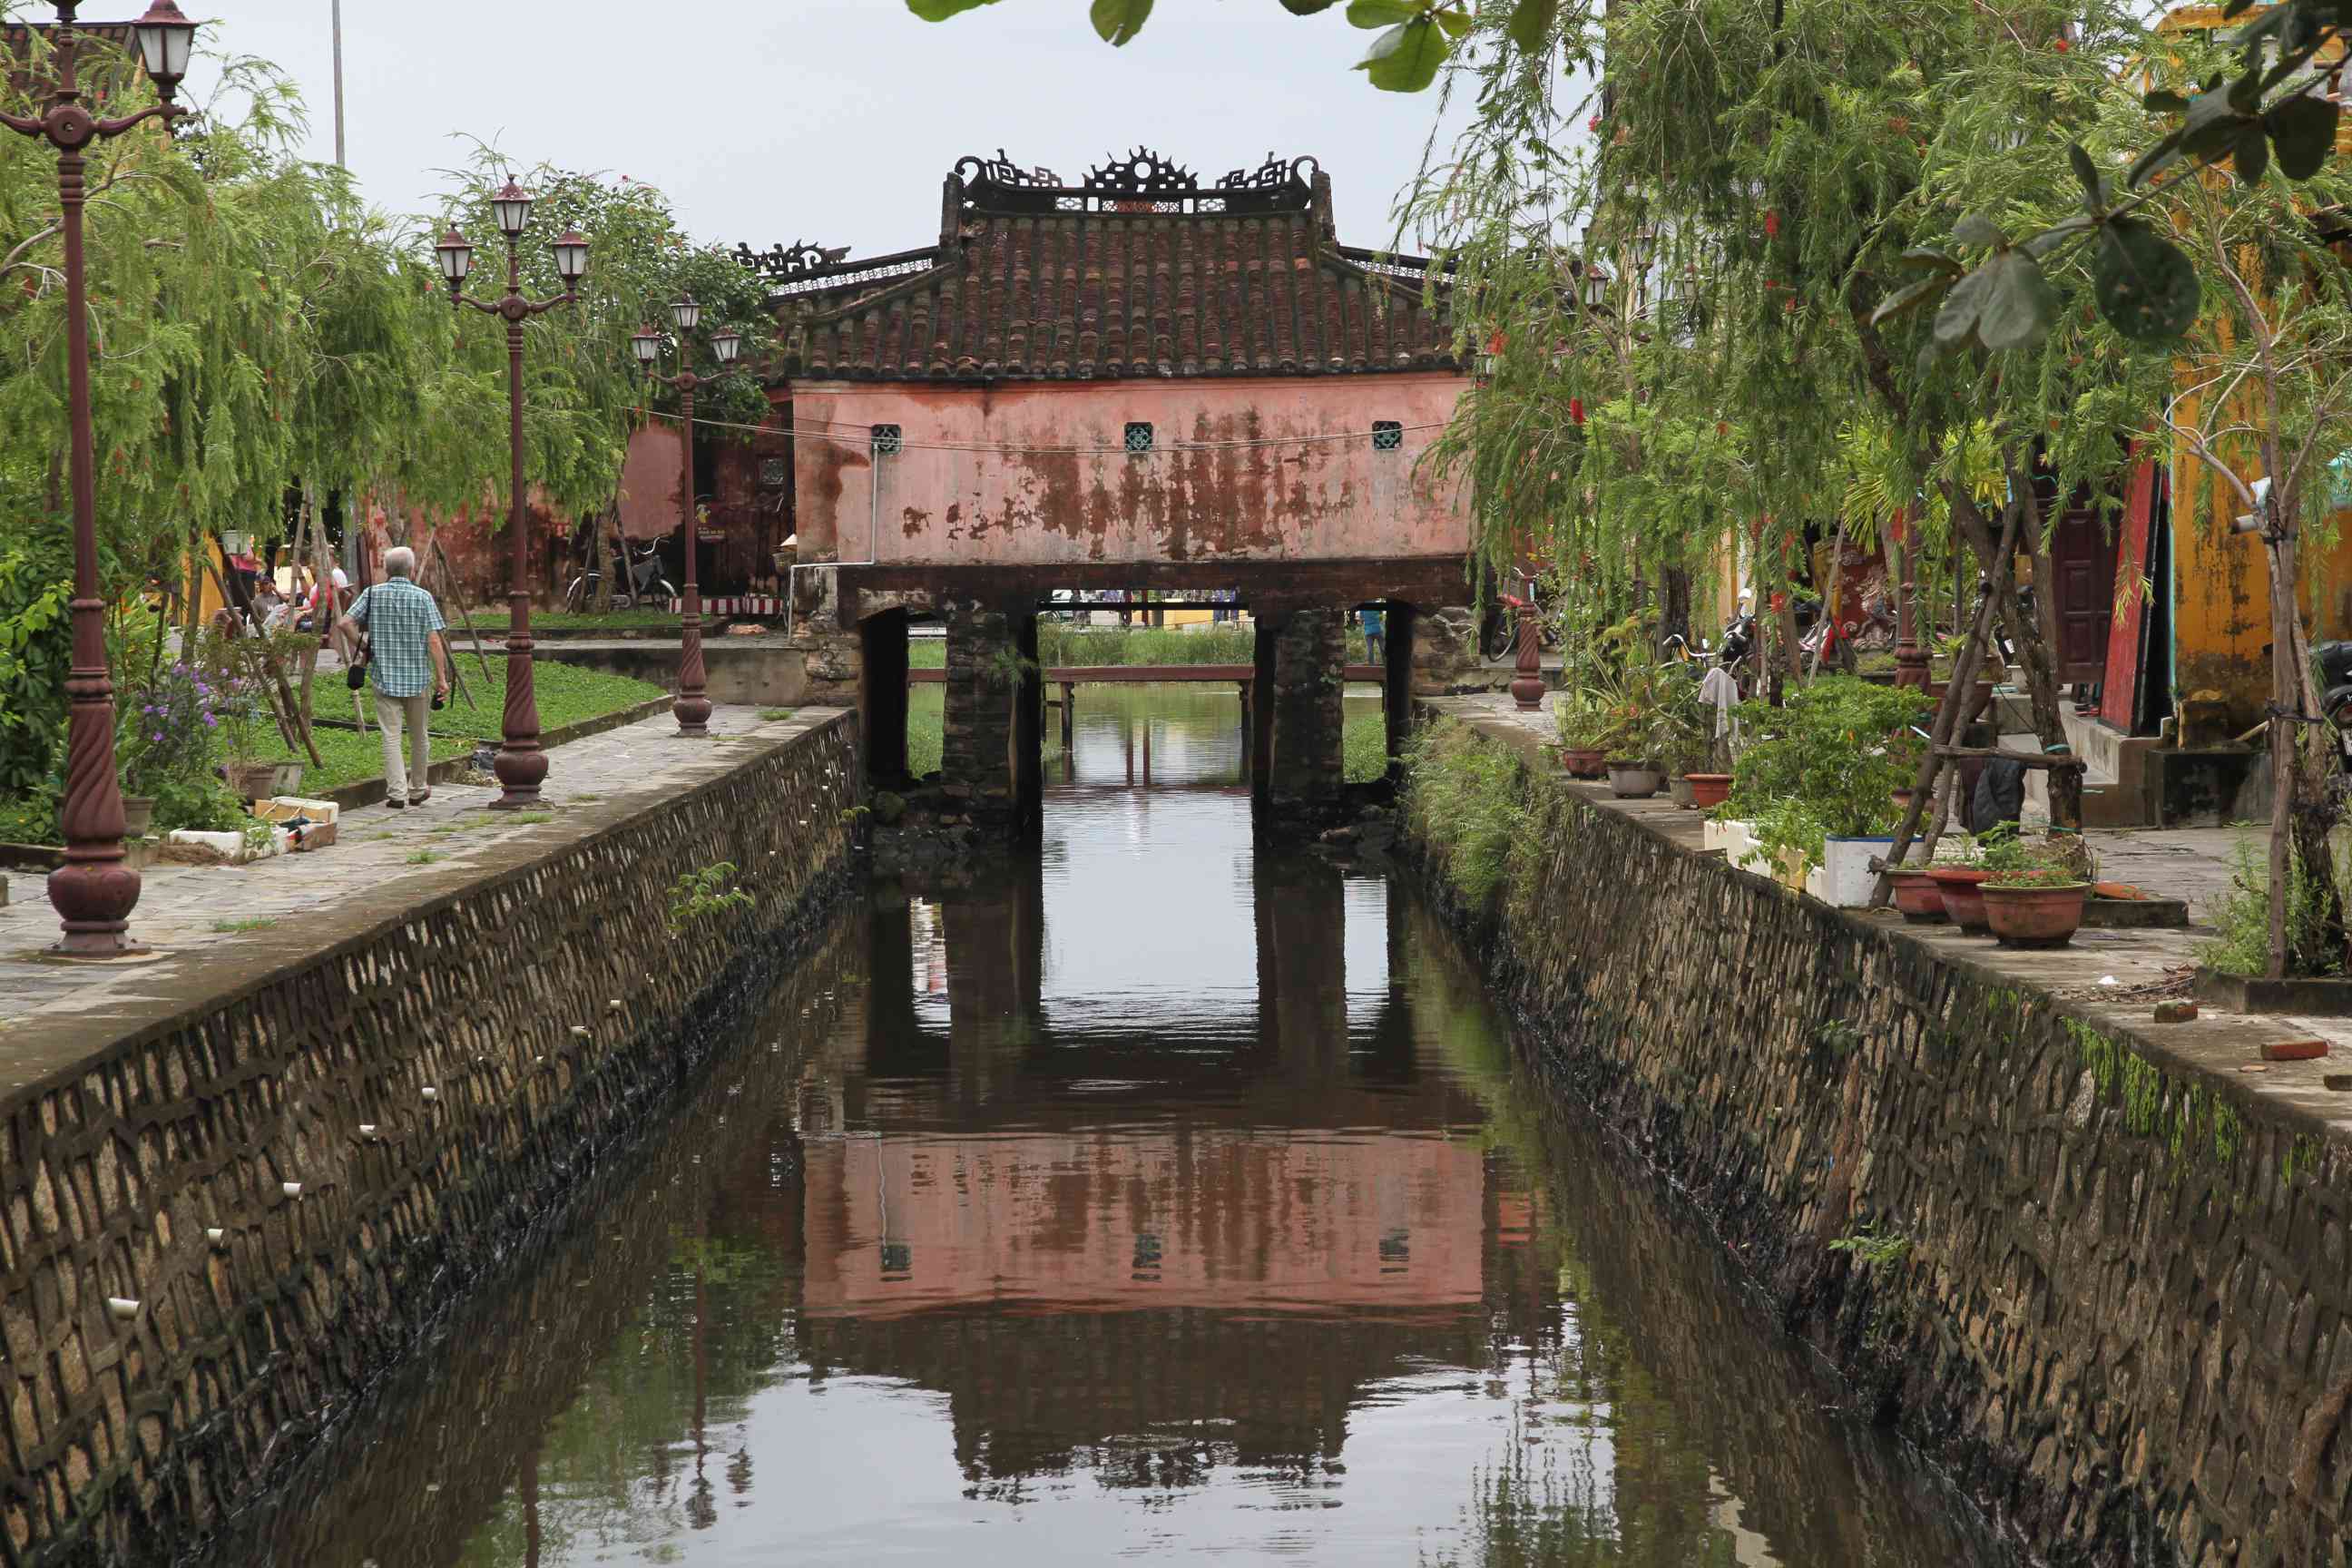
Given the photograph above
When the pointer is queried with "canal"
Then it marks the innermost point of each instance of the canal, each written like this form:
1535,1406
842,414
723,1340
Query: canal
1167,1195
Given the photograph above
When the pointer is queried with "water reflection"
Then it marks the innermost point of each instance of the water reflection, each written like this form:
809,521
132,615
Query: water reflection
1160,1197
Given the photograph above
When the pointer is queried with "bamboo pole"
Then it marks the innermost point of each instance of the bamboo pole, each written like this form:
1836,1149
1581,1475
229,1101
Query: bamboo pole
291,716
450,592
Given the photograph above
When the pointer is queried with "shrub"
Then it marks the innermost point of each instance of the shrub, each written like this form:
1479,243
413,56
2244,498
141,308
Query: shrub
2243,920
1827,764
36,650
1466,800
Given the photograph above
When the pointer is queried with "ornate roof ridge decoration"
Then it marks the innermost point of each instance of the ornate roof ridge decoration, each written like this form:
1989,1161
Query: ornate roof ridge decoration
784,262
1144,181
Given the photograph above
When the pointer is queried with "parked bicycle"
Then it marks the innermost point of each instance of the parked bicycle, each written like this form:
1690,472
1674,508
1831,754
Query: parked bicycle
648,584
1498,639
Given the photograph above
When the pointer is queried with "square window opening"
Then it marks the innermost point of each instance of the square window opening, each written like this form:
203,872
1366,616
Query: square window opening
888,441
1387,435
1138,436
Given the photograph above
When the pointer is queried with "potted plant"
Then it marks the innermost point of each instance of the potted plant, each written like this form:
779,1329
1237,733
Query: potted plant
1917,896
1958,873
1818,780
1583,730
2033,893
238,707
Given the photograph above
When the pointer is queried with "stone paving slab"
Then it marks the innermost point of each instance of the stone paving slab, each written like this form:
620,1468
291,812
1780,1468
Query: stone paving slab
2114,975
244,918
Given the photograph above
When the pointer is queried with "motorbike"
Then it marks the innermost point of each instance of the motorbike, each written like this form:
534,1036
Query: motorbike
1739,639
2333,664
647,584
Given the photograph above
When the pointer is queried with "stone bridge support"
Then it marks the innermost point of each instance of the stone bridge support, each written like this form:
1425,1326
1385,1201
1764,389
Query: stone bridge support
991,756
1296,763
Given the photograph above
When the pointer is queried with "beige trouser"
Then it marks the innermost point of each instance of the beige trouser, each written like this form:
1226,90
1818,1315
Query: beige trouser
394,714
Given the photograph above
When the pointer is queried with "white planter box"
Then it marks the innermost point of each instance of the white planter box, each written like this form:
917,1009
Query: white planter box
231,848
1738,846
1847,879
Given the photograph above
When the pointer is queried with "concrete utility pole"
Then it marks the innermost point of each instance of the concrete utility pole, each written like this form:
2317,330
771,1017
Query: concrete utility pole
340,164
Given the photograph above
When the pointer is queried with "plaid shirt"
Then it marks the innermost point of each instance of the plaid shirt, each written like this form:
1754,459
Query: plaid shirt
400,618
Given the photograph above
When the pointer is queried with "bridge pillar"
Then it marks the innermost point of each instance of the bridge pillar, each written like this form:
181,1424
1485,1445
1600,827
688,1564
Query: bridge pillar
989,756
1297,767
1444,652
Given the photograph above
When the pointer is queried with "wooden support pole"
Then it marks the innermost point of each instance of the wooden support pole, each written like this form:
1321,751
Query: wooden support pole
1958,691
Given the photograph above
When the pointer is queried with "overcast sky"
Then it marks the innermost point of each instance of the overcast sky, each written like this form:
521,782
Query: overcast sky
829,120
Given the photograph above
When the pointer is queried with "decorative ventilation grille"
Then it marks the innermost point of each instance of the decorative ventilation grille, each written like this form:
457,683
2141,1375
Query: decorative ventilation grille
1139,437
888,441
1387,435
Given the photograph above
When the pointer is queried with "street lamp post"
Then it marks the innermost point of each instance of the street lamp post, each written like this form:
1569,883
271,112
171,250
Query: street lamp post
692,708
94,892
522,765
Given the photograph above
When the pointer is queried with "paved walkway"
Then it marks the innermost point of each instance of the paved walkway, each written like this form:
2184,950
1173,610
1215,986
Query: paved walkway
204,915
2120,972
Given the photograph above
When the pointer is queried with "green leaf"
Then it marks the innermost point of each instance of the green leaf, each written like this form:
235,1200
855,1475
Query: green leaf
1909,298
940,10
1115,21
2213,125
1930,255
1308,8
1975,229
1531,23
1381,12
1957,317
2019,303
1405,58
2144,285
1455,21
2087,173
2056,234
2303,128
2164,101
2253,154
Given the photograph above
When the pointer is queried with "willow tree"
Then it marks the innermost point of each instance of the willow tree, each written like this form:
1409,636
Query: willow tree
583,394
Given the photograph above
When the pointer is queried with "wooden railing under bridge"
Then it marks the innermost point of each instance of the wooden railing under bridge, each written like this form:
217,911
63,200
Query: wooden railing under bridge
1070,677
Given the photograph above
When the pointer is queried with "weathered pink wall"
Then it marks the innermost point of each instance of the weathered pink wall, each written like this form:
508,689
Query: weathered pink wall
1323,500
1246,1221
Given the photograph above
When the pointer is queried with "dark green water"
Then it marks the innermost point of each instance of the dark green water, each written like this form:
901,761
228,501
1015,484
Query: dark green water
1166,1198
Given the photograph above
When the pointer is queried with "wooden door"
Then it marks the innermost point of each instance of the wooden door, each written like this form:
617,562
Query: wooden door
2082,565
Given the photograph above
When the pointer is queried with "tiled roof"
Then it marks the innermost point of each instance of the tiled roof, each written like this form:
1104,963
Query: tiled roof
1140,272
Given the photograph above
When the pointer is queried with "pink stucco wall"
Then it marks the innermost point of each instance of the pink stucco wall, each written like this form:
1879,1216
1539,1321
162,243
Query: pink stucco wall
987,477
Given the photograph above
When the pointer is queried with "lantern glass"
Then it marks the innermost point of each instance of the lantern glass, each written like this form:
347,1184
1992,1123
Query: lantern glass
511,207
647,343
165,37
727,345
571,258
456,256
686,313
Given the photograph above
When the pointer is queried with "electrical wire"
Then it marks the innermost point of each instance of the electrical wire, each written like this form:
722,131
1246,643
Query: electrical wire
863,432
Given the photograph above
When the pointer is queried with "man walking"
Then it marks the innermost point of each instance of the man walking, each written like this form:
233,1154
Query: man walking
408,664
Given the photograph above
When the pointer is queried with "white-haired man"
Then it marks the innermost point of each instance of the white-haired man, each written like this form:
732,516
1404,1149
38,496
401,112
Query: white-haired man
408,665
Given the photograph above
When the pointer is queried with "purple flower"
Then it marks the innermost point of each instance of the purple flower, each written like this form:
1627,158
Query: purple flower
158,735
210,723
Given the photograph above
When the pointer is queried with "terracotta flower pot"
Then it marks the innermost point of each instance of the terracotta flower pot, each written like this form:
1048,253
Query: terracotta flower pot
1959,885
1710,790
1917,895
1679,787
1583,761
2035,917
259,781
1633,779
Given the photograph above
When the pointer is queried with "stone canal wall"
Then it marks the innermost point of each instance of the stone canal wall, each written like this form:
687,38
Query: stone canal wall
293,1175
2104,1282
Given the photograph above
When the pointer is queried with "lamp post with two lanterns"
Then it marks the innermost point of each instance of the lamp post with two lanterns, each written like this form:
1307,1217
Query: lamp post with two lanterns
522,765
692,708
95,890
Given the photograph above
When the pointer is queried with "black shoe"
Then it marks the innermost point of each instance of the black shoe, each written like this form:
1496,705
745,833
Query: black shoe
397,802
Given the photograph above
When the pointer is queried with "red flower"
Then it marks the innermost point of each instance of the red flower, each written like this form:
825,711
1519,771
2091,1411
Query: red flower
1576,410
2063,46
1773,224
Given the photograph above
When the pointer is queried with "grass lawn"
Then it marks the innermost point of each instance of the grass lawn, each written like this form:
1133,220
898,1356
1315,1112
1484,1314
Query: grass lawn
1364,742
494,622
566,696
